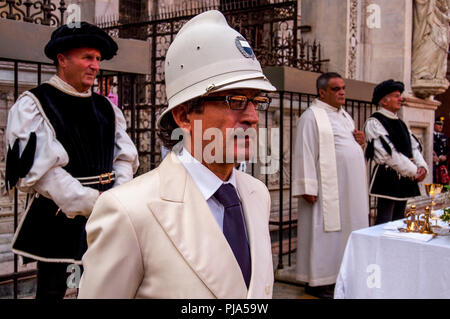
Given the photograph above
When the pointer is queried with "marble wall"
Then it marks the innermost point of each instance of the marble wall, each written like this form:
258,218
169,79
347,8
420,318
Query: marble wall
386,46
328,20
366,40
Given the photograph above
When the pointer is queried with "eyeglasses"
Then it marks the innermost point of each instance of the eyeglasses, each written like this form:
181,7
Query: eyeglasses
240,102
337,88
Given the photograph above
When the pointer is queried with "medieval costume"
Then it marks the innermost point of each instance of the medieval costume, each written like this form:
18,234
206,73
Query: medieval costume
64,148
79,136
397,156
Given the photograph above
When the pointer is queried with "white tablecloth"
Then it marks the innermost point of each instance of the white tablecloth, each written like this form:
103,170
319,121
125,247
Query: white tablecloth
377,266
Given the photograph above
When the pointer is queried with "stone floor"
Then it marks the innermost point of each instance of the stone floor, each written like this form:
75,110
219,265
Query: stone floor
285,286
283,290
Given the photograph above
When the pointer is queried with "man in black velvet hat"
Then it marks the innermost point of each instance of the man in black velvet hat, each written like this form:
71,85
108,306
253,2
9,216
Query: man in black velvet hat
399,164
65,146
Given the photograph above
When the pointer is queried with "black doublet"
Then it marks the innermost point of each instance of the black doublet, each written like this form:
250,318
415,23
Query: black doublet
85,126
385,181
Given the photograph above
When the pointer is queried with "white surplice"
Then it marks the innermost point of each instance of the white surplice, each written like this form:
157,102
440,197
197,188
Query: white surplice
319,253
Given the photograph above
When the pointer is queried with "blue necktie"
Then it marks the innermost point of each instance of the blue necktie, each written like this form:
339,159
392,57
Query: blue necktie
233,228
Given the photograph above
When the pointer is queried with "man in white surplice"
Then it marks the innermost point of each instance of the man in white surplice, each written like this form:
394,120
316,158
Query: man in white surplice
329,179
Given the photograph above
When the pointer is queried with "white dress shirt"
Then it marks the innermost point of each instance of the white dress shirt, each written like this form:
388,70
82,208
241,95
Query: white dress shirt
208,183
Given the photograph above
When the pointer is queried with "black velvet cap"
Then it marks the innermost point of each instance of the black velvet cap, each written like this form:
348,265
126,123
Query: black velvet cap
86,35
386,87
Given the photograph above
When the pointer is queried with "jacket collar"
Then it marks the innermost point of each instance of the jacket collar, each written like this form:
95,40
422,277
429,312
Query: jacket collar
207,182
388,113
186,218
326,106
65,87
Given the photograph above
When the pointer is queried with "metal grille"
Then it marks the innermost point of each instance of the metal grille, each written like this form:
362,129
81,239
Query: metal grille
42,12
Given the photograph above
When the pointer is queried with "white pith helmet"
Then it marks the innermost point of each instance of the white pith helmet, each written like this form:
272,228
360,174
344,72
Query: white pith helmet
207,56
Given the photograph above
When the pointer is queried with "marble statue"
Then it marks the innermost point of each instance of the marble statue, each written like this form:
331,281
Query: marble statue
430,47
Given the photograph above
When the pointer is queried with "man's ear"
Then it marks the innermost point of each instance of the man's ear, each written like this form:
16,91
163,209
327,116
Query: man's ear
61,59
181,117
321,93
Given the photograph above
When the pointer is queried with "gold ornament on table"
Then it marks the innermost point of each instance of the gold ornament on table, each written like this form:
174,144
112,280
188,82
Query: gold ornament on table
426,227
433,190
414,223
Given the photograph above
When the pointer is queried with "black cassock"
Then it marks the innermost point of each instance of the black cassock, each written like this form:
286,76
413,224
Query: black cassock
85,126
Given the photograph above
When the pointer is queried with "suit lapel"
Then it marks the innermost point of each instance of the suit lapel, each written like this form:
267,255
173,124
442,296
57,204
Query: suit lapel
254,211
186,218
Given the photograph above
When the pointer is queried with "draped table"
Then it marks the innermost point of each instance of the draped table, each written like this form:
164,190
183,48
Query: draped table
377,266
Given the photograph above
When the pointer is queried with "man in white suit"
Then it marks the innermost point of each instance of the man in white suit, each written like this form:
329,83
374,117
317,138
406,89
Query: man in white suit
195,227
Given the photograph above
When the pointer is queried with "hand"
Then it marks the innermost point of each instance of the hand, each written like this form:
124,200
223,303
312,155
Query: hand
421,173
310,198
435,158
442,158
359,137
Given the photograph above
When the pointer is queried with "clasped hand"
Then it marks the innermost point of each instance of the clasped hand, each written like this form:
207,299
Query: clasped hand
421,173
359,137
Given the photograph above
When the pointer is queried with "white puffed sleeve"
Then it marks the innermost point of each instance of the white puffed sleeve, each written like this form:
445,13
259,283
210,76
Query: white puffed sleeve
126,161
417,155
47,175
399,162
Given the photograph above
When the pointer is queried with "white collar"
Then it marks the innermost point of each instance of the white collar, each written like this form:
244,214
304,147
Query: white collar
207,182
388,113
326,106
65,87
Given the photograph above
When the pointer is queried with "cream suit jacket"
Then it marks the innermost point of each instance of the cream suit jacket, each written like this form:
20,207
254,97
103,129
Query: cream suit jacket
155,237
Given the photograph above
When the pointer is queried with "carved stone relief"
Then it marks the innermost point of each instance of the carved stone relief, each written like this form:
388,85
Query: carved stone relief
353,40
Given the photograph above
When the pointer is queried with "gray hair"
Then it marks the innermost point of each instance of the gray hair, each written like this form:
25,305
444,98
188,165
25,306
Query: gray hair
324,78
165,132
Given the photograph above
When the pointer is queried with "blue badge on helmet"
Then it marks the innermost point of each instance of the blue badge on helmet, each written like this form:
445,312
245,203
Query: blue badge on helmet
244,47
